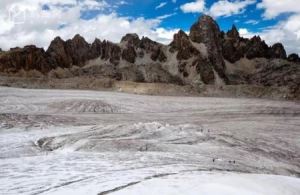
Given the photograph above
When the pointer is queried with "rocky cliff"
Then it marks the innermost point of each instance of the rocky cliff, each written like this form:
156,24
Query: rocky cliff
205,56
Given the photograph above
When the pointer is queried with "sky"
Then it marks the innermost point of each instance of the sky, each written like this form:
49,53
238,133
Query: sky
37,22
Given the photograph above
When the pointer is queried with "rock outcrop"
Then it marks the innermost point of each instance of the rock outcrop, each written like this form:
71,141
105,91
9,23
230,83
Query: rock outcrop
236,47
95,49
184,46
110,52
277,51
27,58
58,53
233,33
78,49
293,58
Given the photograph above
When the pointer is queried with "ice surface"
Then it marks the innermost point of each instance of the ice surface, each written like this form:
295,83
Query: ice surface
87,142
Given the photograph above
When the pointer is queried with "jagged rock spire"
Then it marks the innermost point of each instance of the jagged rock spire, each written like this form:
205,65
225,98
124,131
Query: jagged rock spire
183,45
233,33
58,54
207,31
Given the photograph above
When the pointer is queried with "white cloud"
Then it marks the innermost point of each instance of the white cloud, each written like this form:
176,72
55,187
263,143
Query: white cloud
229,8
253,22
164,35
287,30
165,16
197,6
161,5
245,33
274,8
41,26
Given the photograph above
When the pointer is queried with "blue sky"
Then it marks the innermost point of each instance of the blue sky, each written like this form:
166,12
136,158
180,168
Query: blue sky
273,20
246,19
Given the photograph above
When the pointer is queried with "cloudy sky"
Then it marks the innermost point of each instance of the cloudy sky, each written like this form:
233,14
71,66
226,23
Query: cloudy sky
39,21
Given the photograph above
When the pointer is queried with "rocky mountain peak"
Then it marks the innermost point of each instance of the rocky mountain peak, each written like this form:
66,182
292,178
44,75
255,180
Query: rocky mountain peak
79,40
207,31
278,51
183,45
58,39
78,49
58,54
95,49
56,43
233,33
131,39
204,30
178,38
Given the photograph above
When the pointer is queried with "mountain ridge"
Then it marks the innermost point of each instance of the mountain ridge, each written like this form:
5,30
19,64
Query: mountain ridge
202,57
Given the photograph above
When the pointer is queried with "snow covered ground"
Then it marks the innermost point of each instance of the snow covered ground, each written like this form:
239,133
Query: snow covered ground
87,142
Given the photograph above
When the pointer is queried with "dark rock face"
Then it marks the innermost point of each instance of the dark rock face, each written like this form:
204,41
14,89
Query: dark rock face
204,68
111,52
183,45
236,47
207,31
78,49
158,55
59,54
293,58
233,33
129,54
95,50
27,58
256,48
131,41
154,48
278,51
